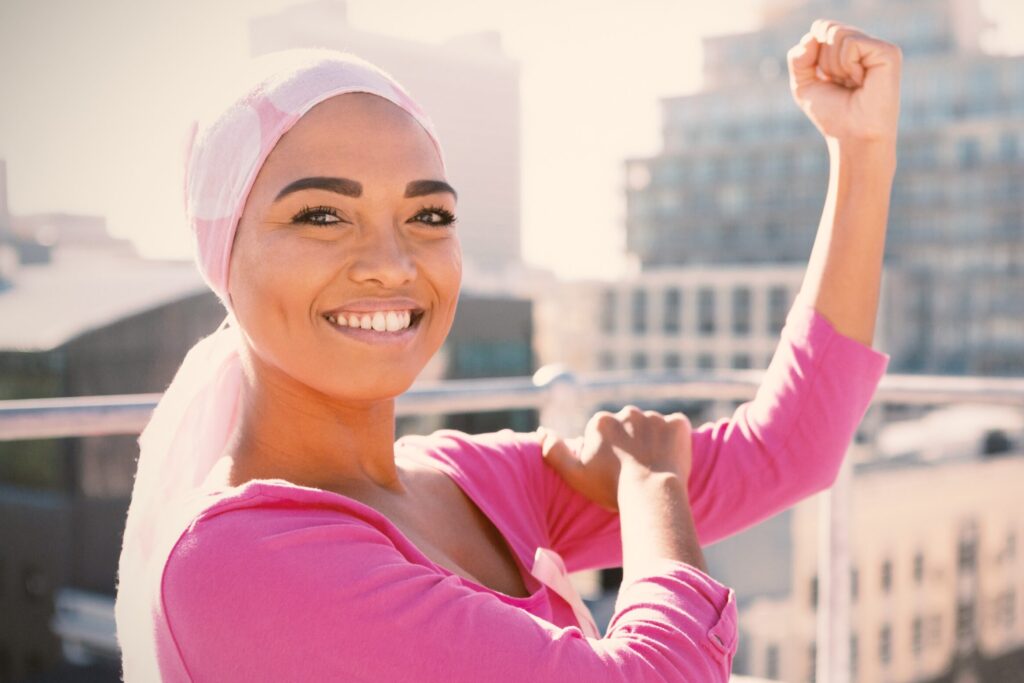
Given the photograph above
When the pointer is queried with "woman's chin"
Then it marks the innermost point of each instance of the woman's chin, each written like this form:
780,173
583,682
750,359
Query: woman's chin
370,389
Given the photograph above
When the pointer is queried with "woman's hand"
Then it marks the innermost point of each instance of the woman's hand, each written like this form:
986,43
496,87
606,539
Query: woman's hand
641,442
847,82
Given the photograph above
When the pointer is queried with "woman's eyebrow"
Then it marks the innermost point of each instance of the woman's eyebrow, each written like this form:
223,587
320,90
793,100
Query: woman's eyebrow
353,188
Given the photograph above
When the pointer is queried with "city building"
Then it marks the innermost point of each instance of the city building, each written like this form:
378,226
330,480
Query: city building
87,322
480,134
937,575
696,317
742,175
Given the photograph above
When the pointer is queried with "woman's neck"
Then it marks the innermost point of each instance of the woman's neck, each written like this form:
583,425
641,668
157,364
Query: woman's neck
287,431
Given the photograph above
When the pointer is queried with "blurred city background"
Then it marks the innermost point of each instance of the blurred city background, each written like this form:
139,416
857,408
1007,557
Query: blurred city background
638,199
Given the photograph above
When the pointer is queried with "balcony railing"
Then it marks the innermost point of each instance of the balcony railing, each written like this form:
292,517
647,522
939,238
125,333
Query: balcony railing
565,400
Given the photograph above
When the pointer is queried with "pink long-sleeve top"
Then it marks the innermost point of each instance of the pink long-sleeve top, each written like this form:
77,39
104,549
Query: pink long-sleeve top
277,582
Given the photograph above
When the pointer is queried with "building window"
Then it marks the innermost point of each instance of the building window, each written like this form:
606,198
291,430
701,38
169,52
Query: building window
705,361
887,576
854,656
933,629
812,662
967,554
964,621
672,361
606,360
814,592
918,567
1009,147
639,311
771,662
968,152
608,313
741,361
741,311
885,644
638,361
1006,609
854,580
706,311
778,307
673,311
917,637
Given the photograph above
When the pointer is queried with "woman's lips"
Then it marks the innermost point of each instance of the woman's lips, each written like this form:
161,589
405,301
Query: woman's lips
372,336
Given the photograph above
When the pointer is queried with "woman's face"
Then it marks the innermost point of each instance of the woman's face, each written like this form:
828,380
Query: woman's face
346,228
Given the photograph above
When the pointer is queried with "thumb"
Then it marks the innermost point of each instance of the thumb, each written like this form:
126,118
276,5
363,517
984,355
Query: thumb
803,61
558,455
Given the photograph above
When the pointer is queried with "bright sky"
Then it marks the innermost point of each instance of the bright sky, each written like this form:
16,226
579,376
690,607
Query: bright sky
96,97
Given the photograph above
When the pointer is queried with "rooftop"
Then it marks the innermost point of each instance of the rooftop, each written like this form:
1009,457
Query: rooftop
83,289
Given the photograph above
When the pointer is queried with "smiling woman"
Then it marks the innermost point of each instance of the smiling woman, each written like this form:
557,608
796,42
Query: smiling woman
278,531
324,220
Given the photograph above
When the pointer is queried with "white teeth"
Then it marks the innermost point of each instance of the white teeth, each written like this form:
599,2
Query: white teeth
390,321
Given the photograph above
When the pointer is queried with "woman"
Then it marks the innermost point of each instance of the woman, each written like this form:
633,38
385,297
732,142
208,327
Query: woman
278,531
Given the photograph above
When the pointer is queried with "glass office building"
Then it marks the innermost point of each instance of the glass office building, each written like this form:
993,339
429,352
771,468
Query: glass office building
742,176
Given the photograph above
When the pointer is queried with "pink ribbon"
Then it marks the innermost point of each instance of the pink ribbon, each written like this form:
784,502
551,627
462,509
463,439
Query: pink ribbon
549,569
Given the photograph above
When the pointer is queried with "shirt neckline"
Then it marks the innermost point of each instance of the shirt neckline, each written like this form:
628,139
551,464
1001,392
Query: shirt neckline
521,565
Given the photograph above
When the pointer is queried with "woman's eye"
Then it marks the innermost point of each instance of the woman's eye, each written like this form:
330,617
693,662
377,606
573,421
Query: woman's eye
436,215
317,215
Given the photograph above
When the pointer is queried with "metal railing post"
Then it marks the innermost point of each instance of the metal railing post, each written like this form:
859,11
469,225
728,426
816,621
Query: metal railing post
833,616
563,409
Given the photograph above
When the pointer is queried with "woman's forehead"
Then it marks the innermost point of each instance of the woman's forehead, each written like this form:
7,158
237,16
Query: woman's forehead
357,129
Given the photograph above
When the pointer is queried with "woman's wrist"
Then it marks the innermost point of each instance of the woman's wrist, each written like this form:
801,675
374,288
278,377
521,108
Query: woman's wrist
877,155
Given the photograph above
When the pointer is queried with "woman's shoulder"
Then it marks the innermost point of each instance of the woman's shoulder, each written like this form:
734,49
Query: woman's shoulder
502,456
456,445
226,520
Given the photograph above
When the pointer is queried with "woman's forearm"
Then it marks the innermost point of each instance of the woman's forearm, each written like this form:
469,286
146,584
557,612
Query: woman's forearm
656,522
844,271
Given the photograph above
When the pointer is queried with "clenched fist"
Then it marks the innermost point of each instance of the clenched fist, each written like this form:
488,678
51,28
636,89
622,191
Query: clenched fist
847,82
640,442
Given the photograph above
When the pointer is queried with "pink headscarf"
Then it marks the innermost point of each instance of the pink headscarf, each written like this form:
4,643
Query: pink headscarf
187,434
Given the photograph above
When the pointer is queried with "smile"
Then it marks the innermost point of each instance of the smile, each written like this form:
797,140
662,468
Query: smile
381,321
377,327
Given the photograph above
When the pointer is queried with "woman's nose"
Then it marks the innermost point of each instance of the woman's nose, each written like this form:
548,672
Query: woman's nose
383,257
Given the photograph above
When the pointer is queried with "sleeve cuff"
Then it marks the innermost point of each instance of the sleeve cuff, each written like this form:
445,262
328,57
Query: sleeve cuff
809,329
710,604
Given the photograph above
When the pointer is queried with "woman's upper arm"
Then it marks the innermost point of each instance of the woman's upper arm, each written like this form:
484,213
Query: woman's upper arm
790,440
337,601
785,444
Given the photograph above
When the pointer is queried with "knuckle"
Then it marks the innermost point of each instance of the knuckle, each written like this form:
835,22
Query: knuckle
630,411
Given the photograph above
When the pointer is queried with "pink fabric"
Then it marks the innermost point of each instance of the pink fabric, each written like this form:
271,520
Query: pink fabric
272,581
198,412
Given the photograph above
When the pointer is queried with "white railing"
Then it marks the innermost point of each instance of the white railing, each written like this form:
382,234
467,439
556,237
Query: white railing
565,401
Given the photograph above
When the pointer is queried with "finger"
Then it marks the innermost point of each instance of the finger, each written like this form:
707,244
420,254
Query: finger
871,52
850,58
831,35
802,59
629,411
833,52
678,417
557,453
598,419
